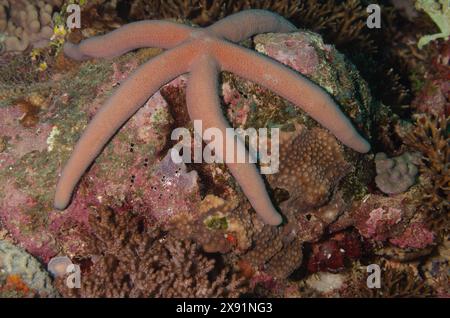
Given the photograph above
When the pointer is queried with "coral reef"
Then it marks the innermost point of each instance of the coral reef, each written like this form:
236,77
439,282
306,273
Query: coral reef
396,175
25,207
22,273
24,23
133,155
145,263
142,226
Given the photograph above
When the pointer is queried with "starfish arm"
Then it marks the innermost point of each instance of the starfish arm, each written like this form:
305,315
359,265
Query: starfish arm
126,100
161,34
203,104
292,86
242,25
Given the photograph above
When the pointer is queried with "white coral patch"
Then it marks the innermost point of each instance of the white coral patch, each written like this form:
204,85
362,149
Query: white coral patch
326,282
52,138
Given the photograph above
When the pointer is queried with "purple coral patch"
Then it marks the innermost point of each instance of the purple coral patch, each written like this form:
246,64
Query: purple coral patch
415,236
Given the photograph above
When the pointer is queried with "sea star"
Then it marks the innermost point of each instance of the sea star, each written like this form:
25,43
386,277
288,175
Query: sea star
203,53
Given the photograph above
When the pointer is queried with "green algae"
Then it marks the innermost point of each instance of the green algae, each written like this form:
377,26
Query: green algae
216,222
439,12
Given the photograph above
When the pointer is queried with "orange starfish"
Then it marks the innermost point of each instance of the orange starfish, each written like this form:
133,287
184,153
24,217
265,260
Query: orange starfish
202,53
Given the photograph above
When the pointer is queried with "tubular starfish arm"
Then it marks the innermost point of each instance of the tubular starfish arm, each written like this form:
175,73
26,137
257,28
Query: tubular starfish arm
202,93
292,86
160,34
130,96
250,22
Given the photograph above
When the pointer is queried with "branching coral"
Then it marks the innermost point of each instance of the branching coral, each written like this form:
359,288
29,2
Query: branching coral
203,12
343,23
203,53
396,282
17,71
133,262
26,23
430,137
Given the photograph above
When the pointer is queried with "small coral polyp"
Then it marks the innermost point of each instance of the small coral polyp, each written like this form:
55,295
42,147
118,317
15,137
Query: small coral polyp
187,54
